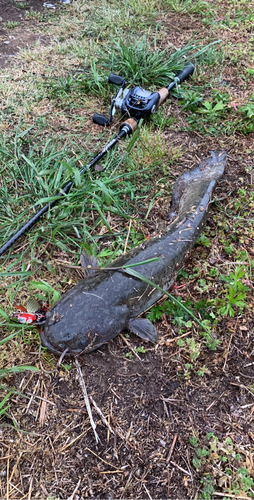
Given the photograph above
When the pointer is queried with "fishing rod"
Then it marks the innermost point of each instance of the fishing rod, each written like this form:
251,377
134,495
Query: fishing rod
137,103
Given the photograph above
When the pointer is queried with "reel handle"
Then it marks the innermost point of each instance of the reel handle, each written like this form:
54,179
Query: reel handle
100,120
116,79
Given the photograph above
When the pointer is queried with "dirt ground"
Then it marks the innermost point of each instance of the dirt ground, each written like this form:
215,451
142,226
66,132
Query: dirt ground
146,411
20,36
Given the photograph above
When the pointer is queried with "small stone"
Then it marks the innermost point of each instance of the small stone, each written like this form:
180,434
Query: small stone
163,443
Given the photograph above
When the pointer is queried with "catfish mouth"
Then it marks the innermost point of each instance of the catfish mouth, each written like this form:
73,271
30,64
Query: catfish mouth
51,348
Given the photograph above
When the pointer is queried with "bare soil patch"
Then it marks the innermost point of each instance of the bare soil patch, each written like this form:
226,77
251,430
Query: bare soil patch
12,11
21,36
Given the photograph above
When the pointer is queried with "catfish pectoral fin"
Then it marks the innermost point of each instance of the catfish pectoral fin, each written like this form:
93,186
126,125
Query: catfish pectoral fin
144,329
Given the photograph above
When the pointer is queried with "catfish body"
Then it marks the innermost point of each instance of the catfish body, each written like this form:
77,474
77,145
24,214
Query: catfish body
102,305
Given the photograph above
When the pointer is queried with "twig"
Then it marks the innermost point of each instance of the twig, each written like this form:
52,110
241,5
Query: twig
44,490
246,376
166,409
15,466
177,338
127,237
108,433
73,494
242,387
67,428
30,488
33,394
147,491
44,407
228,495
61,357
17,489
247,406
41,399
129,346
104,461
180,468
171,448
111,471
114,451
189,465
8,471
83,387
251,461
103,418
215,401
227,351
74,440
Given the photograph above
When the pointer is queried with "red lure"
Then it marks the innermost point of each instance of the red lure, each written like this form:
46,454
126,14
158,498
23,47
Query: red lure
27,318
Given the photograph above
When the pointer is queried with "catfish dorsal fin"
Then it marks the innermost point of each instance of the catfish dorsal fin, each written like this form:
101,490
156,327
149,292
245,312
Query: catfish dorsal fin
144,329
88,261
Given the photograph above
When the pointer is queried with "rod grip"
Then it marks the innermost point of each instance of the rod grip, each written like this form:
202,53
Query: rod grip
131,123
163,95
185,73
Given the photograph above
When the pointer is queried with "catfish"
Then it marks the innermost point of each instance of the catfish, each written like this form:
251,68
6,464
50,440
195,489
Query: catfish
109,301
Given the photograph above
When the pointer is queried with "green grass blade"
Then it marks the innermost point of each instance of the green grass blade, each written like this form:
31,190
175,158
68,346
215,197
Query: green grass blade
17,369
149,282
6,339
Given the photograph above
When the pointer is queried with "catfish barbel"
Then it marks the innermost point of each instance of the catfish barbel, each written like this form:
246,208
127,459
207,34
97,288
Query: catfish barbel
102,305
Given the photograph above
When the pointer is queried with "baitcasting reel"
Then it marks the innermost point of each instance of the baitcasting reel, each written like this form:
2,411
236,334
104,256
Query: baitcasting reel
138,103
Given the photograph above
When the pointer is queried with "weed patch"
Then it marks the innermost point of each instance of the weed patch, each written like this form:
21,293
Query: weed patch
235,295
229,466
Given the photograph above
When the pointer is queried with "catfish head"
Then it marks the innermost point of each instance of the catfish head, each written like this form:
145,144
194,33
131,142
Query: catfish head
90,315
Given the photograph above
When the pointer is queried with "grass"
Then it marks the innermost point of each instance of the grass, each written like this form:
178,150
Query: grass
189,7
148,65
38,171
11,24
47,134
22,5
32,14
102,22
